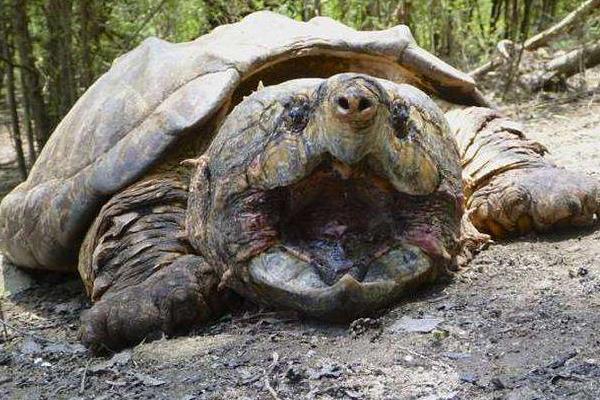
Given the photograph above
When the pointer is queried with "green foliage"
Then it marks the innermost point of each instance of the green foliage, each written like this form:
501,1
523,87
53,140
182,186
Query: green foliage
75,41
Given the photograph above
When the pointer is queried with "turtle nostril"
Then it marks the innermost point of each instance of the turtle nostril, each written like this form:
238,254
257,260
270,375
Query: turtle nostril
364,104
344,103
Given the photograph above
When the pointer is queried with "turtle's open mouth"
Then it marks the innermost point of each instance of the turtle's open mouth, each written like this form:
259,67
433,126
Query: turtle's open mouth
343,242
339,220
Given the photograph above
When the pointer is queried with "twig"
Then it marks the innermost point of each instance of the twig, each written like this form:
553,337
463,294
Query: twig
513,70
270,389
83,377
434,362
268,372
4,330
14,64
144,23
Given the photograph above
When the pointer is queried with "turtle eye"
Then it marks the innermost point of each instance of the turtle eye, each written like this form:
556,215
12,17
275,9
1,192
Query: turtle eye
399,114
296,115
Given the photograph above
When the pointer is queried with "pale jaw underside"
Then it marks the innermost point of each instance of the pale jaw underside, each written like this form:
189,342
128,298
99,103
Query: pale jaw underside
282,278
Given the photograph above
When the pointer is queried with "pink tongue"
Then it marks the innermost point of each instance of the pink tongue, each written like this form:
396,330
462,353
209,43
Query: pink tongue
428,241
335,229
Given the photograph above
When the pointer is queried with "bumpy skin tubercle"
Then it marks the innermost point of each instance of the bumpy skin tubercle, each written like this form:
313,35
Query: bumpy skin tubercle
140,270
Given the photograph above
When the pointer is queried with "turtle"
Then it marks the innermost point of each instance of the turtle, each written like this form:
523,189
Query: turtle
312,169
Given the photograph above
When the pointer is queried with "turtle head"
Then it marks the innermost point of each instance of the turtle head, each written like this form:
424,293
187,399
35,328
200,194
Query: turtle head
330,196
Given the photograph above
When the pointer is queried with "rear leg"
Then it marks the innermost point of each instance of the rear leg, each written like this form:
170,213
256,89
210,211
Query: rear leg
510,188
141,272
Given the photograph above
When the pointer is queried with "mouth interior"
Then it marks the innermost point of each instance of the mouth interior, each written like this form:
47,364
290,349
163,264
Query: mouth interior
340,219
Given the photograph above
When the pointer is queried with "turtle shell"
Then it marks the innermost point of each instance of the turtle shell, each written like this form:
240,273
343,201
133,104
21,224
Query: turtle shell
161,93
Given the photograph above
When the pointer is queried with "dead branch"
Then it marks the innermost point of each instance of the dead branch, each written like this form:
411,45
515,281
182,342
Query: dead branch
506,50
504,53
562,67
543,38
4,330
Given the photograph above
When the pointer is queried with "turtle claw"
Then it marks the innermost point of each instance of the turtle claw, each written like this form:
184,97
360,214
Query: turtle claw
169,302
540,199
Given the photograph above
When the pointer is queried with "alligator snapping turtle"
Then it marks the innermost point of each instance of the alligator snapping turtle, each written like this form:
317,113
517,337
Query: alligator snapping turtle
332,194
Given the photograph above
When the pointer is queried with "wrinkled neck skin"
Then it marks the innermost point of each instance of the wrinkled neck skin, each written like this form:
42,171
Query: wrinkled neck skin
333,197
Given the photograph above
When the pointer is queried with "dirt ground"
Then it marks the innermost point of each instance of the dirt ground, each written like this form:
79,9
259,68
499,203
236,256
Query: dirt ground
521,322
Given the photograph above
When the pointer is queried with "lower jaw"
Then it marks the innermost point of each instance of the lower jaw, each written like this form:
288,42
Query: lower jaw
278,279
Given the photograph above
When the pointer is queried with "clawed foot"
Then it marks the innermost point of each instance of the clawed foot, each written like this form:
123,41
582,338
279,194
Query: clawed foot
540,199
169,302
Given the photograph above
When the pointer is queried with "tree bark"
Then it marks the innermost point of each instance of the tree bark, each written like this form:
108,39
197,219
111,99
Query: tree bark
562,67
525,22
495,14
59,58
305,10
12,105
25,50
27,121
580,13
403,15
86,21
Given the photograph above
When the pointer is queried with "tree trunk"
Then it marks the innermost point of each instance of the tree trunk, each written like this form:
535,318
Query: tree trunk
317,7
12,105
525,22
567,23
403,15
305,10
514,19
495,14
562,67
87,22
27,121
39,114
59,51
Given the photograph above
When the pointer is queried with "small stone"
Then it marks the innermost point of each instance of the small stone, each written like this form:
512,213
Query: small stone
40,361
332,370
418,325
148,380
13,280
65,348
457,356
439,334
578,273
68,307
469,378
295,374
118,360
360,326
30,346
121,358
497,384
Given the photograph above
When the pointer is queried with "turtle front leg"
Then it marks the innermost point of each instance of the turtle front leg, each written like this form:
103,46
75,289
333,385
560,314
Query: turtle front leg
139,270
510,188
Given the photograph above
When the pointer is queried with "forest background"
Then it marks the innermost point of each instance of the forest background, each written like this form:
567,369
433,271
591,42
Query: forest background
52,50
